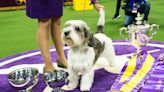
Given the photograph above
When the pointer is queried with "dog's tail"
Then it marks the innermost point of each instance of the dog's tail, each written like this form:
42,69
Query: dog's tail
101,21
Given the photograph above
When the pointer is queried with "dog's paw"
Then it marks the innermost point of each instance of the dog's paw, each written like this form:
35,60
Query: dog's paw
115,70
66,87
85,89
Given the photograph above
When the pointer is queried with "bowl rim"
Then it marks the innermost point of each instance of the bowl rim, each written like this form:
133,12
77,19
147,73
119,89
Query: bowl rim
32,68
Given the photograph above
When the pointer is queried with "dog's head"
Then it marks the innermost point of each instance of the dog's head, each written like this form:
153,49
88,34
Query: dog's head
75,33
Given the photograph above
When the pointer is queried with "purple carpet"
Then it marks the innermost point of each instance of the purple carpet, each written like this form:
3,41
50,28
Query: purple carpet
103,80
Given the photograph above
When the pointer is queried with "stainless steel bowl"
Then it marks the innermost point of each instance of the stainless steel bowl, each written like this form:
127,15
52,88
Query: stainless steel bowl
24,78
56,78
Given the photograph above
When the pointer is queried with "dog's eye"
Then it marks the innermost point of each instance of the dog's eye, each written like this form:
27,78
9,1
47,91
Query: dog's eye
77,29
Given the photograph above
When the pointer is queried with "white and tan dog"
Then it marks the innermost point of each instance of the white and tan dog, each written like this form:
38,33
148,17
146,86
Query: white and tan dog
85,49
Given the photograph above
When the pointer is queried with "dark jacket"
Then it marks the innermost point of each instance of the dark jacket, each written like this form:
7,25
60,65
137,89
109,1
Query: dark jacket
129,4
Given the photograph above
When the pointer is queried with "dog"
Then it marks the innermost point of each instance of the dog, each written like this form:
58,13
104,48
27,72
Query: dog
85,49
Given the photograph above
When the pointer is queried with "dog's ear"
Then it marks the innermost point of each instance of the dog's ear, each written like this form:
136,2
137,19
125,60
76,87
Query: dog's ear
89,36
86,31
91,41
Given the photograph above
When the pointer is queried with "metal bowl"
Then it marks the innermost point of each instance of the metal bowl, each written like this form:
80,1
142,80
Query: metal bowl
24,78
55,79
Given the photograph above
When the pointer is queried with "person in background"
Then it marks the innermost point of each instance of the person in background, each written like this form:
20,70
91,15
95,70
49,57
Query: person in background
132,7
48,13
118,5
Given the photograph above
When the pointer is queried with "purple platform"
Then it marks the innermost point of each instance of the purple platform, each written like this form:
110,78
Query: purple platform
103,80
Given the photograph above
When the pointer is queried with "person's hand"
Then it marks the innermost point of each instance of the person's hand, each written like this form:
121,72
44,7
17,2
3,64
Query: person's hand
98,6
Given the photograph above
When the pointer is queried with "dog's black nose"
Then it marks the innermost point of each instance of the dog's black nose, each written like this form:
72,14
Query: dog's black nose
66,33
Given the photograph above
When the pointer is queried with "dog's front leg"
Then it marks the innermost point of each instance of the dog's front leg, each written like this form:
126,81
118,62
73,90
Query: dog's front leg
73,79
87,80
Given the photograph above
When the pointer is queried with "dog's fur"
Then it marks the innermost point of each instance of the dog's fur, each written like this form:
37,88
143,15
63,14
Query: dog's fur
85,49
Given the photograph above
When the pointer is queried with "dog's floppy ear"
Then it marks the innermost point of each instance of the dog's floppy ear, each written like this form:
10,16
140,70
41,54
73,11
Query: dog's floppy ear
91,41
86,31
88,35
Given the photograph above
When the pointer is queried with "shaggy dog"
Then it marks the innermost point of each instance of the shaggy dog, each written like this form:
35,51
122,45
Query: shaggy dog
85,49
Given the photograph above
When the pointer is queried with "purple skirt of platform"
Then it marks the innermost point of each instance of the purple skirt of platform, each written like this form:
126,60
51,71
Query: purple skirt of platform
44,8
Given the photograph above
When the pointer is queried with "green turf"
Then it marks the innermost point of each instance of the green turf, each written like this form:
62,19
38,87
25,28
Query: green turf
18,32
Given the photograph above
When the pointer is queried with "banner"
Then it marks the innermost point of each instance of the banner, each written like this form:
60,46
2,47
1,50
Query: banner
135,73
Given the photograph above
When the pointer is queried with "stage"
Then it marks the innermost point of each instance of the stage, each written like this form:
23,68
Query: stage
103,80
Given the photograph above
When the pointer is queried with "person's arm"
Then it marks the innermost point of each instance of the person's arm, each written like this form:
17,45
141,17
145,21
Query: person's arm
97,5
